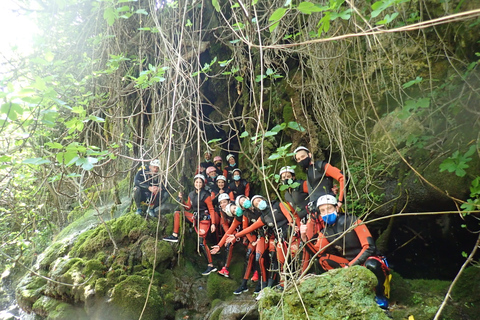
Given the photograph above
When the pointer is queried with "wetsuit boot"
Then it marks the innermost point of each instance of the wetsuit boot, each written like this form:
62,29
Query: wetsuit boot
243,287
375,266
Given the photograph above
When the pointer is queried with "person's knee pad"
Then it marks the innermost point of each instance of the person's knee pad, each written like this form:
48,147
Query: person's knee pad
249,252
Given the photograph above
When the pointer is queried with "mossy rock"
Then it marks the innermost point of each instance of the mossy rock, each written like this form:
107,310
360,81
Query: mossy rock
67,311
29,290
465,301
128,299
219,287
50,254
55,309
159,259
337,294
92,241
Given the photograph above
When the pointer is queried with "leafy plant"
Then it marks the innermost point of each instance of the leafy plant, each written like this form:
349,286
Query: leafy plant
474,202
458,162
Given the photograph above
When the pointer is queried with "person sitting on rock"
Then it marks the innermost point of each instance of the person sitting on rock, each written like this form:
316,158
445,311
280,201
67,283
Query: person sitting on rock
147,190
320,175
239,186
338,248
202,217
232,165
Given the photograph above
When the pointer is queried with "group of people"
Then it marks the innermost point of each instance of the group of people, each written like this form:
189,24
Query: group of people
309,222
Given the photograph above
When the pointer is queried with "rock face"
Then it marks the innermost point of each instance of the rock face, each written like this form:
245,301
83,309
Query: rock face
337,294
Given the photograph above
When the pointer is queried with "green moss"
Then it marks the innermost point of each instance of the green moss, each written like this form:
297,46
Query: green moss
288,113
219,287
129,296
29,290
169,224
159,259
67,311
98,239
101,287
54,251
44,305
337,294
216,314
95,267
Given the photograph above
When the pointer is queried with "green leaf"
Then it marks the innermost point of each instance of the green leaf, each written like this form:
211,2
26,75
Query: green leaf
95,118
296,126
36,161
5,158
54,145
86,163
13,110
276,16
278,127
275,156
142,11
110,15
66,157
214,140
270,134
244,134
216,5
388,18
470,151
308,7
239,78
260,77
412,82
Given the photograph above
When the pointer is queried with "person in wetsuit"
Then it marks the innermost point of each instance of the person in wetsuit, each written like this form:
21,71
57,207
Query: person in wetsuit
201,214
147,189
320,175
239,186
232,165
338,248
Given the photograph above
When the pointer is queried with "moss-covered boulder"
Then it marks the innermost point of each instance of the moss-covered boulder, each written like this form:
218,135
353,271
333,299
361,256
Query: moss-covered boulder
56,309
219,287
29,290
337,294
156,253
128,300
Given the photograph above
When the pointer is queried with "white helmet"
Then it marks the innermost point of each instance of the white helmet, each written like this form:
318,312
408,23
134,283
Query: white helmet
286,169
223,196
299,149
230,156
228,210
220,177
326,199
236,169
237,200
257,196
199,176
155,163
